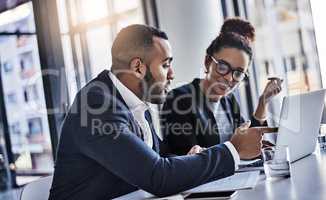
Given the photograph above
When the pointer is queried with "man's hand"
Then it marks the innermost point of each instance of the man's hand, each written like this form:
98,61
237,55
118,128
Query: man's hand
196,149
248,141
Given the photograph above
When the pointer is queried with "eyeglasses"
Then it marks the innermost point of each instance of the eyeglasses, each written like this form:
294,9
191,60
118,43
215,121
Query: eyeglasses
223,68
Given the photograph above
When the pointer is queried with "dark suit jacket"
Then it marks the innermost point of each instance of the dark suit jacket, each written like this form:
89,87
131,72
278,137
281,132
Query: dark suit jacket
187,119
101,156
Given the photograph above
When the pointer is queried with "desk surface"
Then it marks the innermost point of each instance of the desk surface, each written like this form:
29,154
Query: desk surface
307,181
10,195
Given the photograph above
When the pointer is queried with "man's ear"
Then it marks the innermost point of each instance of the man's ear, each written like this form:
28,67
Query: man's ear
138,67
207,63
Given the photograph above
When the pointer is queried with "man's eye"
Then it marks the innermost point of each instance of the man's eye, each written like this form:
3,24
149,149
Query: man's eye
166,65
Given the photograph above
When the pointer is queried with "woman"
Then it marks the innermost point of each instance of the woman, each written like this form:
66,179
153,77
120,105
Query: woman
205,111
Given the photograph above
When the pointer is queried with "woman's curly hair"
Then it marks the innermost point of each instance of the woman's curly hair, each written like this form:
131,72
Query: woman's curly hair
235,33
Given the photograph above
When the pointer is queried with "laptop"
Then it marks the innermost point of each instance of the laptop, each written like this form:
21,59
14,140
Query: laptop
299,123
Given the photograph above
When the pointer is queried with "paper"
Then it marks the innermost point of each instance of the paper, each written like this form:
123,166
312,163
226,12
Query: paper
173,197
239,181
141,194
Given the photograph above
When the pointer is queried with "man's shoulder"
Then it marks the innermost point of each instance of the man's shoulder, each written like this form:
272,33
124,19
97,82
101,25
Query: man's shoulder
101,84
100,92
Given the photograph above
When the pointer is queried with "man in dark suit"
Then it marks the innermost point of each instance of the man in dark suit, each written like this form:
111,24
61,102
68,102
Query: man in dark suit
108,145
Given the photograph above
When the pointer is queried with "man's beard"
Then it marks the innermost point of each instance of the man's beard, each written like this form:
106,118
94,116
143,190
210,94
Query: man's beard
152,92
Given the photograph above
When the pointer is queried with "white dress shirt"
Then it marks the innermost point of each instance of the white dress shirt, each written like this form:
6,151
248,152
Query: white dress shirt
224,125
226,131
138,108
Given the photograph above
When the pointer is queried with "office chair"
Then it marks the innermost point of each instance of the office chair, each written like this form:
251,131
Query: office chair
37,190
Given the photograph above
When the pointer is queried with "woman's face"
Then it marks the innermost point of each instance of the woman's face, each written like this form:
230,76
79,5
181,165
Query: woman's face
218,85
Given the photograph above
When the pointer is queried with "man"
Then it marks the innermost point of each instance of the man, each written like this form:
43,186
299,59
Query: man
108,146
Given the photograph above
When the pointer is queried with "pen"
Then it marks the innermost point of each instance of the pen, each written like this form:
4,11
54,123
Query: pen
269,129
274,78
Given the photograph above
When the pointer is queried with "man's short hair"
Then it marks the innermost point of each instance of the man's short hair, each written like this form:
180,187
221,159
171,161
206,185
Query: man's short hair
131,42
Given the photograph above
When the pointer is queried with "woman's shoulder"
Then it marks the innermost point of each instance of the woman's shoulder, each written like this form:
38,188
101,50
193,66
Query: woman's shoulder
183,96
189,88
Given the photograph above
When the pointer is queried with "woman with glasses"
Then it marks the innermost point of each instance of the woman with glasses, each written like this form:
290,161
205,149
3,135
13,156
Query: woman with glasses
205,111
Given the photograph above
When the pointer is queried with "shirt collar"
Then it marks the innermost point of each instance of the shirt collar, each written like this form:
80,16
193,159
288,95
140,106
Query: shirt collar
132,101
213,105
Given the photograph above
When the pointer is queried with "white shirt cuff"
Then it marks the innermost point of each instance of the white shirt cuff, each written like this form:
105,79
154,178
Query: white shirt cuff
234,153
261,121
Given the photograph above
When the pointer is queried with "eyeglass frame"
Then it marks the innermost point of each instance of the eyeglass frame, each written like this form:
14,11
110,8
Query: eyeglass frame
218,61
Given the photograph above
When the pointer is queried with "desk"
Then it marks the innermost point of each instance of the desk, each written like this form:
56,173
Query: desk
10,195
307,182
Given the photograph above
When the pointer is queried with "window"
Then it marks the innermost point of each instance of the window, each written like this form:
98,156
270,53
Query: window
266,64
7,66
88,28
12,98
31,93
35,126
26,96
27,120
22,65
284,33
285,64
15,128
26,61
293,63
91,10
285,38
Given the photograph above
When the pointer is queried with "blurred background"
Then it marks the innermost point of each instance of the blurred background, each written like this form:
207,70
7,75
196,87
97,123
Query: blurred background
70,41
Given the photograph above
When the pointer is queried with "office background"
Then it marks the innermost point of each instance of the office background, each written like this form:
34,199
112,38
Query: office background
69,42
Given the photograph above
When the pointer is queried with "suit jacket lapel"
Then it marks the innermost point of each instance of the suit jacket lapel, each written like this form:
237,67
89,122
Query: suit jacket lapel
133,125
226,109
236,115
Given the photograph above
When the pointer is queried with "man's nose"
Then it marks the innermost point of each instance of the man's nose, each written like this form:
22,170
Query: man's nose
170,75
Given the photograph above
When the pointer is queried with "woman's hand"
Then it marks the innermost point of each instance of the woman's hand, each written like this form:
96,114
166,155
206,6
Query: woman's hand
273,88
